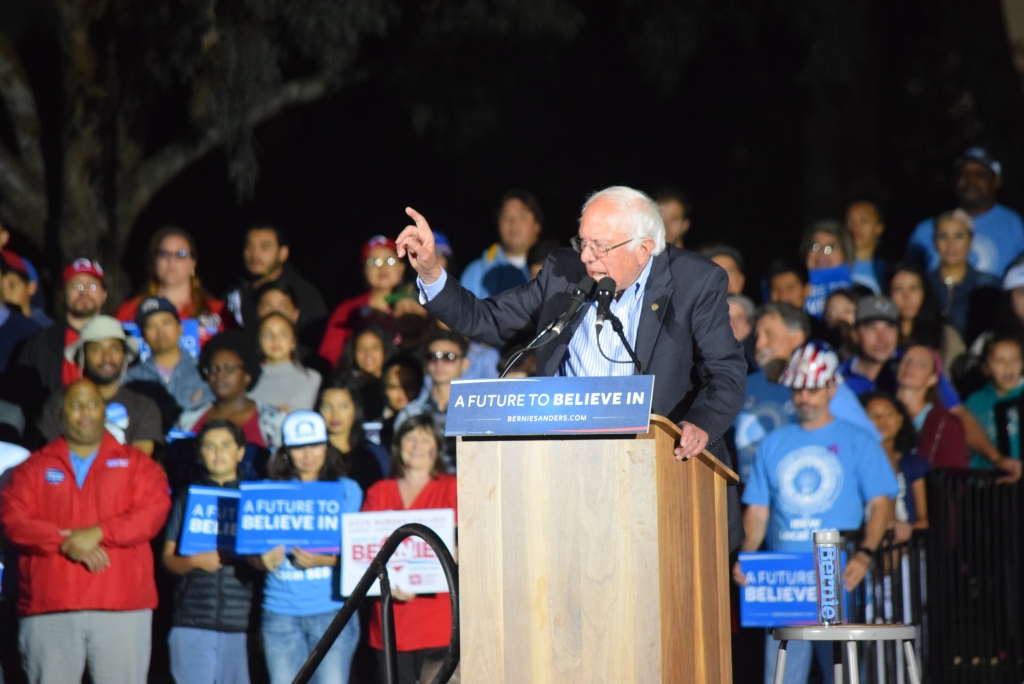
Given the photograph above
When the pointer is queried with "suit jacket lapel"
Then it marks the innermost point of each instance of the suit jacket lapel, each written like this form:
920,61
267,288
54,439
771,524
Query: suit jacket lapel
658,291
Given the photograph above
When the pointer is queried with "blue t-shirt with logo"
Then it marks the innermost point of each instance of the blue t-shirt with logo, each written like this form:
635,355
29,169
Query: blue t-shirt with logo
998,239
769,406
290,591
816,479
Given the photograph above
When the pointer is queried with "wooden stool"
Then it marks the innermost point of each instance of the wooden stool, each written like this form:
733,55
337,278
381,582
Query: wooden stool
849,634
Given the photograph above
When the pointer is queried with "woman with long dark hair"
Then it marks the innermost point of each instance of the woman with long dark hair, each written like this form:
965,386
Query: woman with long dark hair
342,410
172,275
363,361
921,319
899,441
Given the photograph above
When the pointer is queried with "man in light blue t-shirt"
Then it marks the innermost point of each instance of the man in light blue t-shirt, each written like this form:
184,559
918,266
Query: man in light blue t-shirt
821,473
780,329
998,230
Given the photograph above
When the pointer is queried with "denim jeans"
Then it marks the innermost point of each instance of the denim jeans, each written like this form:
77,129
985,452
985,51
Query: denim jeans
288,640
798,659
202,655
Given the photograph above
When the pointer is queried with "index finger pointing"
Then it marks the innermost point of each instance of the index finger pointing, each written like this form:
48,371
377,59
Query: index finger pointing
416,216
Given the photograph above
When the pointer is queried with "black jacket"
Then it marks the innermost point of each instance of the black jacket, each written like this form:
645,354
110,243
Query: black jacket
219,601
36,372
683,338
312,310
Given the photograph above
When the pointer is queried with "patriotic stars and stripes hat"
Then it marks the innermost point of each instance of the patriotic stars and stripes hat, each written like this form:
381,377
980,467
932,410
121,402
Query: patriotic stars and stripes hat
812,366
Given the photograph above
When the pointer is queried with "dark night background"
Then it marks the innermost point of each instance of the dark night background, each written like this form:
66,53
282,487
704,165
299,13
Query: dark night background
769,114
776,117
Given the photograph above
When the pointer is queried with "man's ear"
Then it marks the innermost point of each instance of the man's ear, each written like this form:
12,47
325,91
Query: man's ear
33,286
282,253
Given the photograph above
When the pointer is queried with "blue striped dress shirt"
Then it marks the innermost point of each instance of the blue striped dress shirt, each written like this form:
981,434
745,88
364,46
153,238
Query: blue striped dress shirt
583,357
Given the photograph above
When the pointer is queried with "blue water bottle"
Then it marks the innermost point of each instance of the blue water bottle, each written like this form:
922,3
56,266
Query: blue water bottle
827,567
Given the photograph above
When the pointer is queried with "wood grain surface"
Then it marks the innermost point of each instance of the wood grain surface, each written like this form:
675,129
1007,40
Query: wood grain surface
592,560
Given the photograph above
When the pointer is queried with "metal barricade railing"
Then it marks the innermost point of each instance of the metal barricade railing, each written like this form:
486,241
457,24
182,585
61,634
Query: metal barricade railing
960,581
378,571
974,578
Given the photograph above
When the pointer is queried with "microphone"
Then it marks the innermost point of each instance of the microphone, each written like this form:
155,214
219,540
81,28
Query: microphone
584,290
580,297
605,292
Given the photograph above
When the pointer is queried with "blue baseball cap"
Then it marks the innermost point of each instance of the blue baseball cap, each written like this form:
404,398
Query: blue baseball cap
981,156
152,305
441,244
304,427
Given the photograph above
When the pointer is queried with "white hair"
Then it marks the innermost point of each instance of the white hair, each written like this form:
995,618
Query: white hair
639,216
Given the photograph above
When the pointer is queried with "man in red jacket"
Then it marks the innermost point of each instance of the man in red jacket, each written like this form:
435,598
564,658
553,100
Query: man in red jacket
82,511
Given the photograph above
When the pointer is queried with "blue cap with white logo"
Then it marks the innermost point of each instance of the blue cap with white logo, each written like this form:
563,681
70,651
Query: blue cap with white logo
304,427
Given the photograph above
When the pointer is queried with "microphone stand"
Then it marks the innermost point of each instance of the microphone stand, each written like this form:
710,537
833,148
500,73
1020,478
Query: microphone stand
617,327
532,345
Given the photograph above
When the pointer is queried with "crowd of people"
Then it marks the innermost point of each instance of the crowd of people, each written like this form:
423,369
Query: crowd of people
862,375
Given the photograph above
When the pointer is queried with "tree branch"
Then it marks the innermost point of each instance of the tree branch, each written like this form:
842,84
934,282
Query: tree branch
137,186
22,174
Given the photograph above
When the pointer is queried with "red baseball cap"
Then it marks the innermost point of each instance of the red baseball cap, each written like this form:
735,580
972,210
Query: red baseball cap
15,262
377,241
80,266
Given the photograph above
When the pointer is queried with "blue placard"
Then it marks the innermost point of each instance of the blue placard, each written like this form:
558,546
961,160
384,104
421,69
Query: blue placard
303,514
211,520
189,340
781,589
550,406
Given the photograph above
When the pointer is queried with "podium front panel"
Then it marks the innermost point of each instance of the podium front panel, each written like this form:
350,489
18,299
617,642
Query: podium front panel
560,553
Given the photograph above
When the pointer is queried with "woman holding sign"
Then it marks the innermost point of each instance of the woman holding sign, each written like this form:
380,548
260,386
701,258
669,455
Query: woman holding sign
213,599
423,624
301,594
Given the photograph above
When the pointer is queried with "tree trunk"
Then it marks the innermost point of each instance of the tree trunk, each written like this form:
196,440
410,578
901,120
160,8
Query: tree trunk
22,171
86,195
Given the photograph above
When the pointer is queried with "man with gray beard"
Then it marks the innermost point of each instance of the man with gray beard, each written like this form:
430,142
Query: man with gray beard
779,329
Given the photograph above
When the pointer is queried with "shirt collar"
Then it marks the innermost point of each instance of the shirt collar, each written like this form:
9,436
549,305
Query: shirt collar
637,288
90,457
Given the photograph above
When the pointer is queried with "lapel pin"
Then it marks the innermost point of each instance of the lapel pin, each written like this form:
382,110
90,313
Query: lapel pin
654,307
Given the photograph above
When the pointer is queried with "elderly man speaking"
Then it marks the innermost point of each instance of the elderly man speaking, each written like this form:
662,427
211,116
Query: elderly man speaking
672,304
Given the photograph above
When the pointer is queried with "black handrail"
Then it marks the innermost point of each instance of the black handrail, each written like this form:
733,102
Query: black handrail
378,570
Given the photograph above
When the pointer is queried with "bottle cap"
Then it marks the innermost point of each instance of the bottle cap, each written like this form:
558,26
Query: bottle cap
827,537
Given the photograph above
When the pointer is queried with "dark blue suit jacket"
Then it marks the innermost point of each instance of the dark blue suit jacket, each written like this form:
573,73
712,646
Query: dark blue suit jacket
683,337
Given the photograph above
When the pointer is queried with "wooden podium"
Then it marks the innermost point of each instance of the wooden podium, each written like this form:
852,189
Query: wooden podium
592,558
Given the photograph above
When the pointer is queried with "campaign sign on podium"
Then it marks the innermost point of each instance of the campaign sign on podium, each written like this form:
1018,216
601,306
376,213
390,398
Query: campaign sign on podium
413,566
781,589
211,520
550,406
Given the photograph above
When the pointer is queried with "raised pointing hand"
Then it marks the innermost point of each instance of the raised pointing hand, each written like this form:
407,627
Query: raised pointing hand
418,242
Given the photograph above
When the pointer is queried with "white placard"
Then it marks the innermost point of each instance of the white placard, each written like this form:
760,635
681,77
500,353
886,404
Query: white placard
414,568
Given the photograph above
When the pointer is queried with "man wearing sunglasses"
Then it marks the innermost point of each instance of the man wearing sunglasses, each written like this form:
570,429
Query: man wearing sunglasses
672,304
445,360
